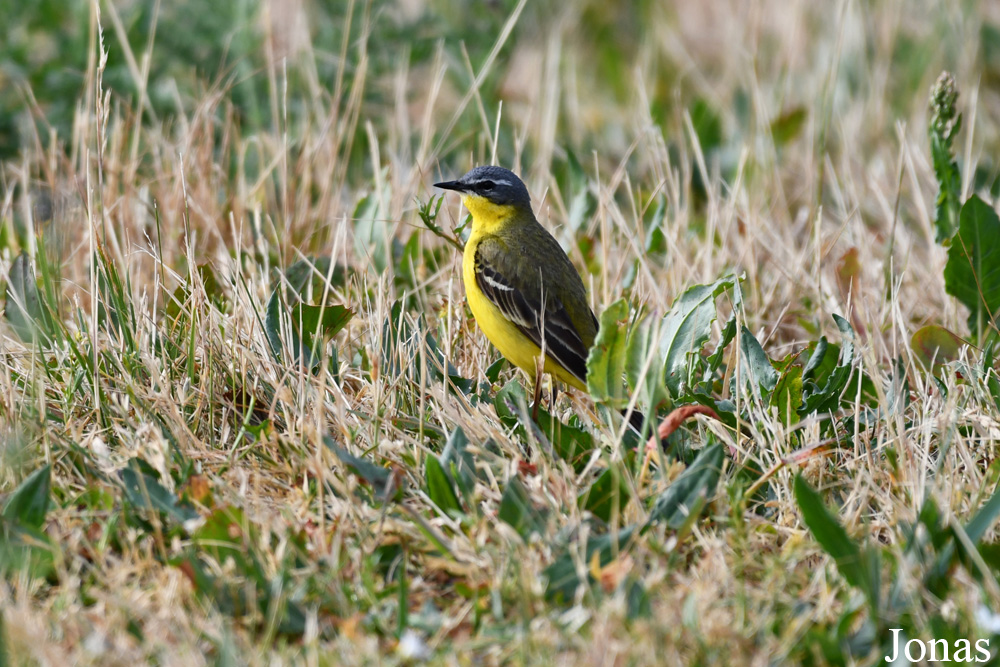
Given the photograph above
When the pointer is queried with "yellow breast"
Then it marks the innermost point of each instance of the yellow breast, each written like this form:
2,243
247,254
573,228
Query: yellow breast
512,343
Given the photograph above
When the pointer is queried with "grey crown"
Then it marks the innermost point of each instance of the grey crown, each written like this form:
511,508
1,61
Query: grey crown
499,185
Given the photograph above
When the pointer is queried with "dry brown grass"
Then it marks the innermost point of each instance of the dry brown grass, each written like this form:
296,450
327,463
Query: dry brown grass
161,199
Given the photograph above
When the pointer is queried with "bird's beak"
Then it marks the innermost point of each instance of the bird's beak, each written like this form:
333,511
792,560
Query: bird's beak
451,185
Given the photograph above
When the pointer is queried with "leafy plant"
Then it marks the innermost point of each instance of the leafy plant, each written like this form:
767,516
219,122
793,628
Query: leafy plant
24,306
517,510
308,326
685,330
929,544
944,125
973,271
24,547
227,538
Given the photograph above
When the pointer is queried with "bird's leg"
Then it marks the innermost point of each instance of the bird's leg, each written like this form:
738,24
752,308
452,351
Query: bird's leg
538,388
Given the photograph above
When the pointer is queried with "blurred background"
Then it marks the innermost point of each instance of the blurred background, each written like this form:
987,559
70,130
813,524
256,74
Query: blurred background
589,73
692,127
172,166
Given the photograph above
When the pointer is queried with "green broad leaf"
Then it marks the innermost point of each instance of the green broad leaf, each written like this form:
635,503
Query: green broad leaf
826,398
944,125
984,519
272,323
29,502
728,335
23,305
493,370
371,232
640,346
815,366
229,596
517,510
707,123
691,489
376,476
563,577
937,576
637,603
607,496
656,243
313,325
991,555
407,260
934,346
145,492
26,549
757,367
310,278
227,533
440,489
570,443
859,567
606,361
310,326
788,125
686,328
229,538
508,402
324,320
787,395
972,274
459,462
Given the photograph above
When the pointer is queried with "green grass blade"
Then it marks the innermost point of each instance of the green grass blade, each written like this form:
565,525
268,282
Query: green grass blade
860,569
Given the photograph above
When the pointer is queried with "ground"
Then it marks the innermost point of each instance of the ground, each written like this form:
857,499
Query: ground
249,418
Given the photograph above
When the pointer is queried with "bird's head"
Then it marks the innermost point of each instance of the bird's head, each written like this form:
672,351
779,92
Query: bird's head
492,194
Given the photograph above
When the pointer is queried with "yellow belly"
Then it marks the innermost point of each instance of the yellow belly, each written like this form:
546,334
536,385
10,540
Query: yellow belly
514,345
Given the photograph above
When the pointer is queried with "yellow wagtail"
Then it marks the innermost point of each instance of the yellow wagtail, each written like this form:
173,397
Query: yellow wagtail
523,290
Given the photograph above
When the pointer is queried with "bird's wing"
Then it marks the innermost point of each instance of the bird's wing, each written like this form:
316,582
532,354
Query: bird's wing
523,306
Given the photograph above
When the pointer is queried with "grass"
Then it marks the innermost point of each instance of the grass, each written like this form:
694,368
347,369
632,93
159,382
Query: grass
248,418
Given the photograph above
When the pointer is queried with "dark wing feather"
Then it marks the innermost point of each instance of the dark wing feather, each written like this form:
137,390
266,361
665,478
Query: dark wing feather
551,325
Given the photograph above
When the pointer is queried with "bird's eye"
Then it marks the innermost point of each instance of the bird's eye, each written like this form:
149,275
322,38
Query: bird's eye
486,185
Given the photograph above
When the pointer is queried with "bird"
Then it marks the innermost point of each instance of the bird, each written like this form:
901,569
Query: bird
522,288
